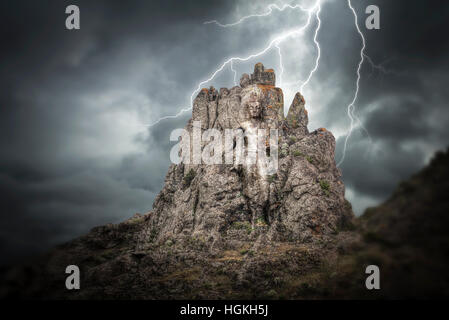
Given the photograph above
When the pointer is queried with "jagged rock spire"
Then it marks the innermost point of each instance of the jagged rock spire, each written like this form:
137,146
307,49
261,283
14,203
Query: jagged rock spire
305,199
260,76
297,116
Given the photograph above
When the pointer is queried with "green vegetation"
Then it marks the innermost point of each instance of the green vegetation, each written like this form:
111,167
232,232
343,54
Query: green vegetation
272,294
283,153
260,222
153,235
247,252
189,177
135,220
325,186
298,153
198,243
242,226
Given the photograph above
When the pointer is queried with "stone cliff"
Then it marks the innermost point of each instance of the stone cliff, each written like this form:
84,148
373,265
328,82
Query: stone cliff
302,200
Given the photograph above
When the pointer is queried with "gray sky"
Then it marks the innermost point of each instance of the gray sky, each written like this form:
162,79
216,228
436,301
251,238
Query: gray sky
75,148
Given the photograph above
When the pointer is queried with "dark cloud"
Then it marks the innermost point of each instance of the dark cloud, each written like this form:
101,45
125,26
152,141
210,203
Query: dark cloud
403,106
398,120
75,151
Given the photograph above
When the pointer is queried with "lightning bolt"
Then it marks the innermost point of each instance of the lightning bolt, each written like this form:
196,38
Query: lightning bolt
235,73
269,12
380,67
316,9
169,117
317,44
273,43
351,106
281,65
317,59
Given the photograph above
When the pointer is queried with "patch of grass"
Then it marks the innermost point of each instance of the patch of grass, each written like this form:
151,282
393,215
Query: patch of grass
197,242
189,275
272,294
308,158
135,220
292,140
153,235
260,222
325,186
247,252
242,226
189,177
298,153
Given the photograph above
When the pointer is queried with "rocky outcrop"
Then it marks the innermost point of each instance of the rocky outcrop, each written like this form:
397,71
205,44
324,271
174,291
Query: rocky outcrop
302,200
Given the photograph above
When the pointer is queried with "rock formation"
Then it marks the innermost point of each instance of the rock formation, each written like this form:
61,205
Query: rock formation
302,200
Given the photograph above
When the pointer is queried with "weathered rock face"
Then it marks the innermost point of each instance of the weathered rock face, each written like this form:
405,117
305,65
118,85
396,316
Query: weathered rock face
303,200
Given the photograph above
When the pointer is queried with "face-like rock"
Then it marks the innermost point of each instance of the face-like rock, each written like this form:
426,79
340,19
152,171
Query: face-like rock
254,107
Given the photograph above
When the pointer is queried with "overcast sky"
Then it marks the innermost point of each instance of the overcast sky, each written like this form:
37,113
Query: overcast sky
76,151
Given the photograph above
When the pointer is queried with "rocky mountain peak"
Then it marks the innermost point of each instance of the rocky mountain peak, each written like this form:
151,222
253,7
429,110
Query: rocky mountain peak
260,76
303,199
